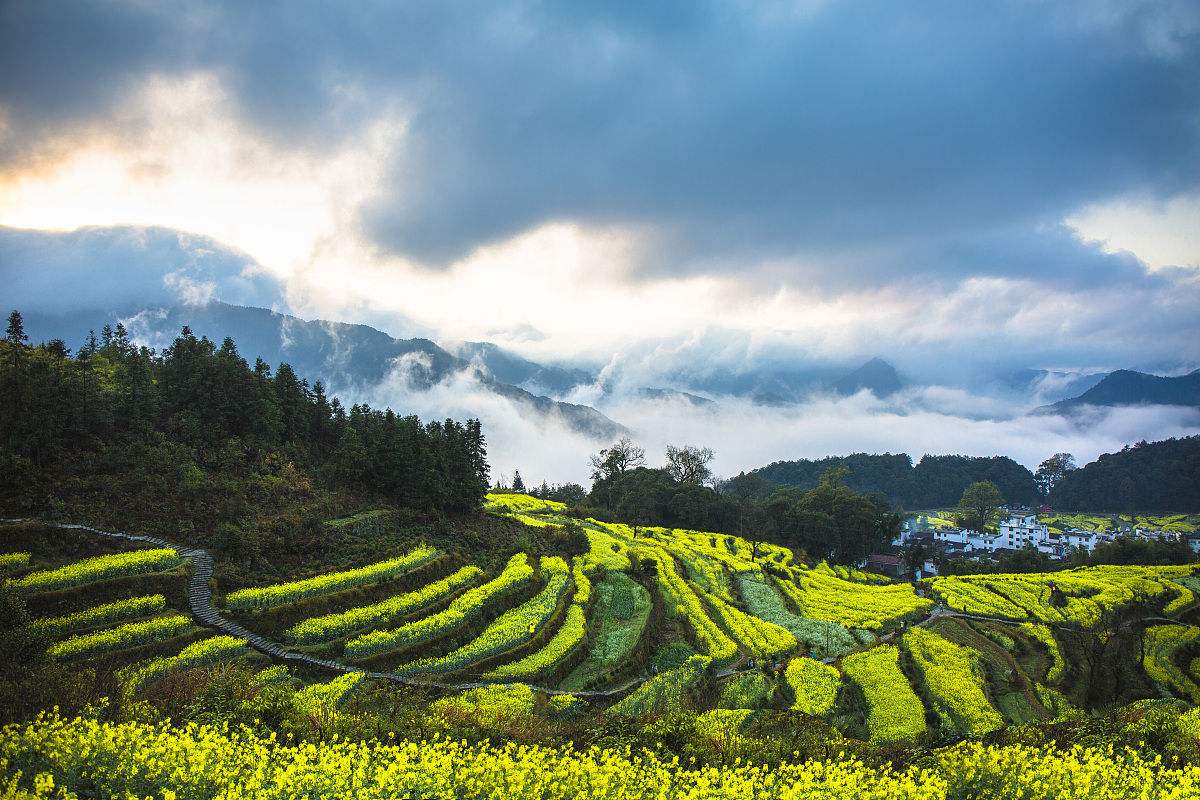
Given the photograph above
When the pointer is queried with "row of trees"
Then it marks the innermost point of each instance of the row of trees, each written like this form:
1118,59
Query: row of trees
933,482
829,520
114,405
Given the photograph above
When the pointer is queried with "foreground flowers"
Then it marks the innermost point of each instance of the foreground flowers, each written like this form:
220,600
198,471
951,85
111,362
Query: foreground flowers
64,756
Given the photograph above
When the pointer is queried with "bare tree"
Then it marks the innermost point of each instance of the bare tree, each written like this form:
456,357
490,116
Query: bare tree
615,461
689,464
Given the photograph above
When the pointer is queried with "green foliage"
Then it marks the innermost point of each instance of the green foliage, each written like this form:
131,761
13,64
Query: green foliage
935,482
147,440
980,504
91,570
1146,478
664,693
748,690
264,597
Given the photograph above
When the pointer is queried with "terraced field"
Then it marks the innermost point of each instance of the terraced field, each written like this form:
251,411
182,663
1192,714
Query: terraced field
751,626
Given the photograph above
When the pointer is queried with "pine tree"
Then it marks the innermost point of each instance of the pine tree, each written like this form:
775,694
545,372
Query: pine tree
16,329
518,484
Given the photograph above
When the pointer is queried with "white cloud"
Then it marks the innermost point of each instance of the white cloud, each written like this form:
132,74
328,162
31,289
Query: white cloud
1162,233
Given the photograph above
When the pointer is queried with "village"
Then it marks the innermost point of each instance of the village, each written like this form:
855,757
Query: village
1017,528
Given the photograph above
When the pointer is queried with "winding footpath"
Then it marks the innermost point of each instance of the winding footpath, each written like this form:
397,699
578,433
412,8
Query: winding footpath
200,604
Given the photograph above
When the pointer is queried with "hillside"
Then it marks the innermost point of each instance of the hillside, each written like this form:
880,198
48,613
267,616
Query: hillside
632,622
1147,478
1126,387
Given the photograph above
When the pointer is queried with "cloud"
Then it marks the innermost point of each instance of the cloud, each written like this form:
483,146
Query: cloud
115,269
732,135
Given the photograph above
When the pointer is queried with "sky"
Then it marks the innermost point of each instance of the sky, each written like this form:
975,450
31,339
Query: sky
960,188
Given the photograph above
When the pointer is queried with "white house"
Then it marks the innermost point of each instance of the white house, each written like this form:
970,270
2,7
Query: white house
1021,530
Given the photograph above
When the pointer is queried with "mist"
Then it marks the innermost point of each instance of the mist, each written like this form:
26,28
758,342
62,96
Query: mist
745,435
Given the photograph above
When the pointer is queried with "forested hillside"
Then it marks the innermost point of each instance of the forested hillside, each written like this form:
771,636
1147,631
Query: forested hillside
121,435
1146,478
934,482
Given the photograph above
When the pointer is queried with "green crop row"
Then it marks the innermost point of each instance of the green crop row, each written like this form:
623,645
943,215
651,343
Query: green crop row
622,609
894,712
664,693
1162,644
508,631
260,598
97,568
682,600
378,615
206,651
107,614
759,638
951,676
11,562
814,684
122,637
555,651
823,639
464,608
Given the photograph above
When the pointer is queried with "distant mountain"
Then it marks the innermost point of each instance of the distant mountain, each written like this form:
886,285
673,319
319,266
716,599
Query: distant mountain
1050,384
344,356
877,376
1126,387
512,368
653,393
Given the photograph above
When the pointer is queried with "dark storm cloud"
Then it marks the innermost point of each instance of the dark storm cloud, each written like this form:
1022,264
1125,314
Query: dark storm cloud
735,132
